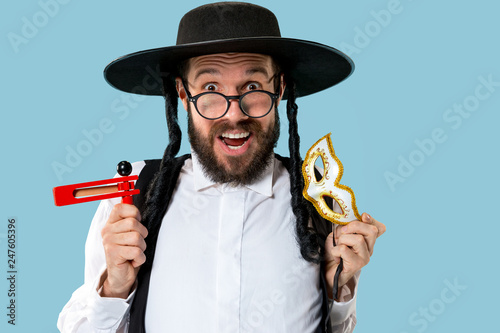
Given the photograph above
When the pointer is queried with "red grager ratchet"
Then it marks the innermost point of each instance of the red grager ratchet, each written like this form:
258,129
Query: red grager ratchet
91,191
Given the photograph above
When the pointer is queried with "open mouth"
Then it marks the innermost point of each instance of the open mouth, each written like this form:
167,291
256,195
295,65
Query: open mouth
235,141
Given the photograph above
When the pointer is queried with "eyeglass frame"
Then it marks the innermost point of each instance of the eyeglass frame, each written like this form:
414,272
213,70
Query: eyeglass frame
194,99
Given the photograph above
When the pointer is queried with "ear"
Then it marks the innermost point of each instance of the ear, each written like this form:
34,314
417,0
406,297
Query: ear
282,88
181,92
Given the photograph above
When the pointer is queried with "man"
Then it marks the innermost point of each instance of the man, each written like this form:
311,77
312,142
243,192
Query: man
223,240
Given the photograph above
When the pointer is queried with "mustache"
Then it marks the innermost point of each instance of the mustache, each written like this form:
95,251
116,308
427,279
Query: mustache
247,125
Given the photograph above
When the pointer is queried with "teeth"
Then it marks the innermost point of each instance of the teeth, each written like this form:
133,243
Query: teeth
235,136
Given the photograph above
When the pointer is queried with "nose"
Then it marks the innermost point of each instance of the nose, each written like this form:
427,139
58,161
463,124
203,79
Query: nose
234,113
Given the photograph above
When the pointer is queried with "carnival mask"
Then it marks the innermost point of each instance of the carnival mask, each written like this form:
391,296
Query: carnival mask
328,186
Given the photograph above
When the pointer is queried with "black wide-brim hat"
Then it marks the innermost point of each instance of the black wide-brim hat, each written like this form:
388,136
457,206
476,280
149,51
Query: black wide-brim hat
232,27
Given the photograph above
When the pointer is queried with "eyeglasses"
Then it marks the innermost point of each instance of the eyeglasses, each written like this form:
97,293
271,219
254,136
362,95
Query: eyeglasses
213,105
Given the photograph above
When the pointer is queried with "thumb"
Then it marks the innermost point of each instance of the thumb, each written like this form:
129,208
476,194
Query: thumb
366,218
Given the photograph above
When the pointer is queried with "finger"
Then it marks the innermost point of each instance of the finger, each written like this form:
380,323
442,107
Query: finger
368,231
329,248
357,244
352,262
131,238
346,253
133,254
366,218
139,260
328,240
119,254
122,211
337,231
126,225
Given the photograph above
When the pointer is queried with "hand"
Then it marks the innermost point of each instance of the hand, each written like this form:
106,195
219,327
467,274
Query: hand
124,245
354,244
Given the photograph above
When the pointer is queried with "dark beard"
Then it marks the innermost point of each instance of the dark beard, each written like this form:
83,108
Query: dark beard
239,173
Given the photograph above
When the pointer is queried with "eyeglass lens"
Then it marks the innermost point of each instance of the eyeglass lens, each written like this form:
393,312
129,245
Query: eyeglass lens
254,104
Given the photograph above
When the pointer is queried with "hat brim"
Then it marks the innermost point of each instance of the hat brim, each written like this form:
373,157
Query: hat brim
312,66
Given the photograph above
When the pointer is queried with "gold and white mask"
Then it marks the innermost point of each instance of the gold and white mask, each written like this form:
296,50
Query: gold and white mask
328,186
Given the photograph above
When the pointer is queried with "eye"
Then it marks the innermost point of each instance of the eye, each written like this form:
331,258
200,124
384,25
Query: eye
210,87
253,86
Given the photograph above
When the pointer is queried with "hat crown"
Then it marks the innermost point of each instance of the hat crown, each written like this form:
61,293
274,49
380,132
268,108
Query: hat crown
232,27
226,20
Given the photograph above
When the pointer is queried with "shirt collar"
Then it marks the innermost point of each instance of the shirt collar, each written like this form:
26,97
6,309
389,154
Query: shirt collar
264,185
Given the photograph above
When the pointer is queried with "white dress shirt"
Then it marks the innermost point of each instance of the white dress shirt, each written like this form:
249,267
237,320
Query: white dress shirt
226,260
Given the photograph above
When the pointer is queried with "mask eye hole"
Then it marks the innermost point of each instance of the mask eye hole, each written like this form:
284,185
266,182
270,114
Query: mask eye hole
330,202
319,169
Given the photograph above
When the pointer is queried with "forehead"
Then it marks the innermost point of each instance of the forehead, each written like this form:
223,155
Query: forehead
222,64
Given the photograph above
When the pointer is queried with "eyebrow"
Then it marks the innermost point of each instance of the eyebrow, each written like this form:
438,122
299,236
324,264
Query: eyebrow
216,72
257,69
212,71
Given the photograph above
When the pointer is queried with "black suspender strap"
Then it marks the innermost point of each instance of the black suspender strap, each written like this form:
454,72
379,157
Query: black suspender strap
145,178
138,306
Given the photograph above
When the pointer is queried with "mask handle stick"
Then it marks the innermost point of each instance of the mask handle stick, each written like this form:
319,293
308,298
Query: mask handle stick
338,271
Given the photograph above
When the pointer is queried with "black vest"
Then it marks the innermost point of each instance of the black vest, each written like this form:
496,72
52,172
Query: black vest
138,306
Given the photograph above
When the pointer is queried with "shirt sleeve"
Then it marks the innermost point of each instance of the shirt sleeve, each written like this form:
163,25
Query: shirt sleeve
87,311
343,313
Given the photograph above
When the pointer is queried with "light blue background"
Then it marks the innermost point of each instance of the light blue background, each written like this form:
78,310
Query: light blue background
442,220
